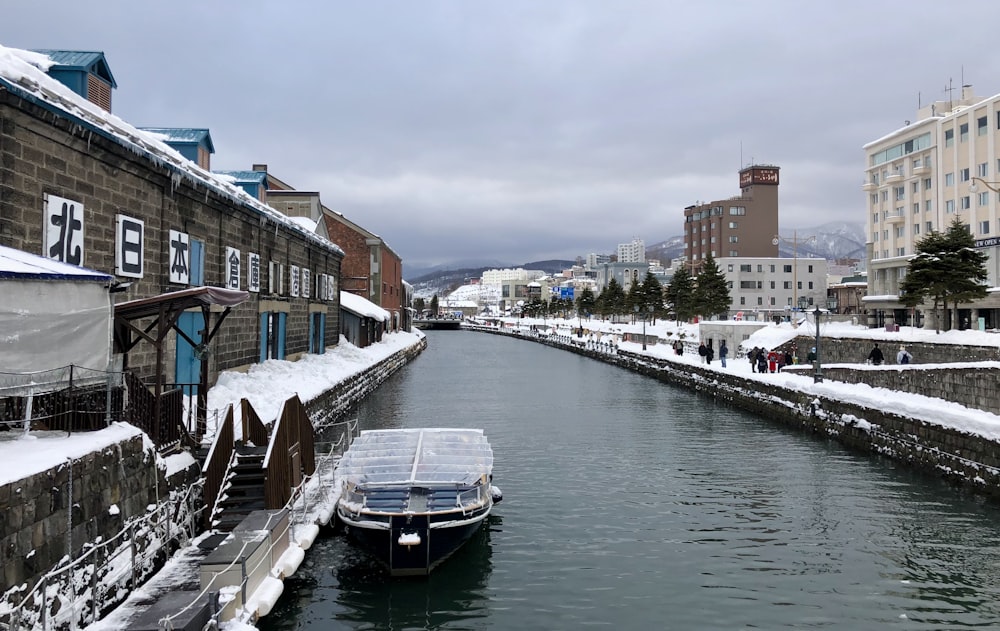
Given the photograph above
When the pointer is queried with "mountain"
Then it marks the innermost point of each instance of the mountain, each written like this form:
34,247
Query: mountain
444,279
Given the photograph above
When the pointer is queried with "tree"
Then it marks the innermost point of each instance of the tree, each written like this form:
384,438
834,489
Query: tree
586,302
946,269
680,295
419,305
434,306
614,299
711,295
652,291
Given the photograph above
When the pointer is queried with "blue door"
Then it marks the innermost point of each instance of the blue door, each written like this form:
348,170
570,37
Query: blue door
188,370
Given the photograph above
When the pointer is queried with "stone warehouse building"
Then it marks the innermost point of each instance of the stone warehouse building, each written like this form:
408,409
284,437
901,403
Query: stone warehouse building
82,186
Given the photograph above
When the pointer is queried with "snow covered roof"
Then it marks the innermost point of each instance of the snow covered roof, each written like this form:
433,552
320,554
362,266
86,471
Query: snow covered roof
23,73
362,307
17,264
183,135
84,60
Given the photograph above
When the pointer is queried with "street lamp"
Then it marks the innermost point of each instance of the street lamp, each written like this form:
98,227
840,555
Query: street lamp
989,185
795,241
818,374
650,309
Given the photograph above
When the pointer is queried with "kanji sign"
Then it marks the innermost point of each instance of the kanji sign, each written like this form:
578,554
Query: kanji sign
232,268
128,246
63,230
253,272
179,264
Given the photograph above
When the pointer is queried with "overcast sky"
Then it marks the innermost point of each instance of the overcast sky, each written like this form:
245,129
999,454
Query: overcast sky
523,130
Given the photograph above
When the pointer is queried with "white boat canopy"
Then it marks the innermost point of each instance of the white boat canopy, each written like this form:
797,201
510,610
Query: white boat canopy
429,456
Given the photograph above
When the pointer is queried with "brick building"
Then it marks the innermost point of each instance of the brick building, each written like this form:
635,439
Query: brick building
83,187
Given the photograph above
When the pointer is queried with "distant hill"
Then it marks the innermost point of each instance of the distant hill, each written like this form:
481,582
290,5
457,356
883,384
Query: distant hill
443,281
834,240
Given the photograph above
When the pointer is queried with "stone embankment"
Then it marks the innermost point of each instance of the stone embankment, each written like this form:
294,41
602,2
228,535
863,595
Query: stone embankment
960,457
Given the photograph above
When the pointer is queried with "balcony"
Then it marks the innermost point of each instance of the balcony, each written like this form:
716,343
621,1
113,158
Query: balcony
922,170
894,217
895,176
869,185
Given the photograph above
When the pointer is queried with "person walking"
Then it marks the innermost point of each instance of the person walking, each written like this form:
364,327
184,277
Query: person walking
762,360
723,352
754,352
875,356
903,356
703,351
709,352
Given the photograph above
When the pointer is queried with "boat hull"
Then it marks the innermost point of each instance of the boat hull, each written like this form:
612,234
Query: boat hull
437,540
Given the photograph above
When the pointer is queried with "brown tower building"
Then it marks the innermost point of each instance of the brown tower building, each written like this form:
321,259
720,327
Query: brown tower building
741,226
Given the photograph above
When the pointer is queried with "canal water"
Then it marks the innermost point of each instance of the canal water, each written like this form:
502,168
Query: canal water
634,505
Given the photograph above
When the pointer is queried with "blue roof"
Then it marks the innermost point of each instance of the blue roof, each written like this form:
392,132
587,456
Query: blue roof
83,60
258,177
184,135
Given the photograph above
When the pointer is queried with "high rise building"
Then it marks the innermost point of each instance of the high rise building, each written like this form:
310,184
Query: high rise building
918,178
634,252
741,226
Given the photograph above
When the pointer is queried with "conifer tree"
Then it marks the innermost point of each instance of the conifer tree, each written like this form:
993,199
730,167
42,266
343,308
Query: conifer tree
586,302
680,295
711,293
947,269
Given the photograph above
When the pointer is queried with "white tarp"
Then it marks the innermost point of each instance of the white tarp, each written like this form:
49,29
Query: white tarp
52,315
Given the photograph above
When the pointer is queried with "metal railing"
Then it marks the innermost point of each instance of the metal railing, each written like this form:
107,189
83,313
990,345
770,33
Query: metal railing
108,569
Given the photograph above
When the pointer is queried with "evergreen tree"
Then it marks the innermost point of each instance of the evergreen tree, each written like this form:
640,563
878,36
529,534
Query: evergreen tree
586,302
635,297
947,269
680,294
652,291
615,298
434,306
419,305
711,295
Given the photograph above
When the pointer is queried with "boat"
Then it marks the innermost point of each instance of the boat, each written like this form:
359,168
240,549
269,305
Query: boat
412,497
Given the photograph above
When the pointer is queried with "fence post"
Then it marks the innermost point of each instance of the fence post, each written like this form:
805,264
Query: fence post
45,589
131,543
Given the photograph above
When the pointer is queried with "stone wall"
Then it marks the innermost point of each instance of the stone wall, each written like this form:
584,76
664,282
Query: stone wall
334,404
59,512
44,153
855,351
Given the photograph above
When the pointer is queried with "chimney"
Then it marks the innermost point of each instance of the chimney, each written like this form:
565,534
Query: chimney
260,167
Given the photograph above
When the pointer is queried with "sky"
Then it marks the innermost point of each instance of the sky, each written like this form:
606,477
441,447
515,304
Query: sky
520,131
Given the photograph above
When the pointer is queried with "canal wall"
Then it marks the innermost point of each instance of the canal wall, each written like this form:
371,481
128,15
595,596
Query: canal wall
64,512
960,457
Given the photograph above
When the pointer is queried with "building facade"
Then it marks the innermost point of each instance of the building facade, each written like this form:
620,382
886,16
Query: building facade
769,287
86,188
917,180
741,226
632,252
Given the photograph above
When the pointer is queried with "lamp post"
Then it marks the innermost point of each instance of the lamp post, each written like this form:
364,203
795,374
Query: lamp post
795,241
817,366
990,185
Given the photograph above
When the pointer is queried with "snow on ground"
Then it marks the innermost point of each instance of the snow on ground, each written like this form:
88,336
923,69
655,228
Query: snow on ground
935,411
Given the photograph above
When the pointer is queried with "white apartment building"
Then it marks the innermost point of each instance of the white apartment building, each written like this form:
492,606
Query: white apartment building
501,276
765,288
634,252
919,178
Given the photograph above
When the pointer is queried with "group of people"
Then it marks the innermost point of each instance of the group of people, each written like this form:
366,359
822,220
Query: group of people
876,357
763,360
708,353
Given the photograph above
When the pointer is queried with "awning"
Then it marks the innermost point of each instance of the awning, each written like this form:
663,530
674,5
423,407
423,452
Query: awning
179,301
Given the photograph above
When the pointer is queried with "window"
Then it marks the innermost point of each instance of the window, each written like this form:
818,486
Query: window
981,126
916,228
810,284
810,269
885,195
734,239
949,179
984,199
963,132
743,300
964,174
900,251
899,231
772,301
885,235
949,137
965,202
915,188
737,210
928,205
927,183
983,169
949,206
900,192
798,285
734,253
730,267
874,198
788,269
772,284
875,236
874,217
929,226
760,301
984,227
748,284
787,284
733,225
760,268
760,284
772,269
916,208
746,268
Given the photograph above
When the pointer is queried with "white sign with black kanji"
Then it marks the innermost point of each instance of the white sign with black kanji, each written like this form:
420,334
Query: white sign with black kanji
179,251
63,230
293,279
128,246
232,268
253,272
305,282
